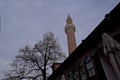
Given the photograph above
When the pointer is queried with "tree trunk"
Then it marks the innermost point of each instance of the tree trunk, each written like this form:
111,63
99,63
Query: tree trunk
44,75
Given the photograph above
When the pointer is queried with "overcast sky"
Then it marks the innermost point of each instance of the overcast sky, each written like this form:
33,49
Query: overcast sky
24,22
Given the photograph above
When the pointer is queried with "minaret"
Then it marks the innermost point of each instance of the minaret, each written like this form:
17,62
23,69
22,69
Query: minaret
70,32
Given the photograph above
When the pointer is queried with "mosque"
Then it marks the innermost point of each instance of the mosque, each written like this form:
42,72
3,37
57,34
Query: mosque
97,57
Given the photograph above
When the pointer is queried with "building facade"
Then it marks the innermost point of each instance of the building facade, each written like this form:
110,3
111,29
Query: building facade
98,56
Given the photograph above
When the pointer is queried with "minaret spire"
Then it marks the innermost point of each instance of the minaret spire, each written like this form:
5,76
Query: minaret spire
69,19
70,32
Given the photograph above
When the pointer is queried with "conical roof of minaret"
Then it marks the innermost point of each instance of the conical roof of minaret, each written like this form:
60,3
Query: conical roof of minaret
69,24
69,20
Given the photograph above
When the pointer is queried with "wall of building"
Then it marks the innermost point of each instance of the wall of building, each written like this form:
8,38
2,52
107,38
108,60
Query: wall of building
108,69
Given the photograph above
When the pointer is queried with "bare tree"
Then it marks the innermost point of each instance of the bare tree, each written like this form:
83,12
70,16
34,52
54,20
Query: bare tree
33,63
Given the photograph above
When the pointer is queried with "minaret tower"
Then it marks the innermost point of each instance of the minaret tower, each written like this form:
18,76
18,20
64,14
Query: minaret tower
70,32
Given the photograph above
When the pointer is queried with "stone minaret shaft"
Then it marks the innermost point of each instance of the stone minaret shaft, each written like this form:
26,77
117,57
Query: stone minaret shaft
70,32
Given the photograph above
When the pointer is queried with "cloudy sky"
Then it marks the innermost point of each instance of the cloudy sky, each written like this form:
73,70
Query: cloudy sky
24,22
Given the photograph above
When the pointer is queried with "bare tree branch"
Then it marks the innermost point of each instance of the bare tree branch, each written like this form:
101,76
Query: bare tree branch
34,62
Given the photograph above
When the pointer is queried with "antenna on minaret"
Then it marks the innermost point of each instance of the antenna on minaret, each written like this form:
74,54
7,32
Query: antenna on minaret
68,14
